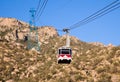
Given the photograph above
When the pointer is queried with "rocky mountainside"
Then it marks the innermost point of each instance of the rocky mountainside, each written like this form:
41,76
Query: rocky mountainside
91,62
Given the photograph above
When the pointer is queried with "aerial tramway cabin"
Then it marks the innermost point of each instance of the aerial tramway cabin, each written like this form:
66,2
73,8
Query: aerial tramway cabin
64,55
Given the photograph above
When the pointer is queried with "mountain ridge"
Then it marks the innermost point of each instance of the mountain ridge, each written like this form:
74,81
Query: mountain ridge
90,62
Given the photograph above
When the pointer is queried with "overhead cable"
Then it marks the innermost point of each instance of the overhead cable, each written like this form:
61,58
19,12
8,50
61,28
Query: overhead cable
41,9
109,8
38,7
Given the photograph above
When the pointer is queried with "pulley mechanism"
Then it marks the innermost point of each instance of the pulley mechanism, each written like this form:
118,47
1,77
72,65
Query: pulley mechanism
67,38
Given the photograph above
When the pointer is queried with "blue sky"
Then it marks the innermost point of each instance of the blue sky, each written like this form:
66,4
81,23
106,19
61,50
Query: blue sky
64,13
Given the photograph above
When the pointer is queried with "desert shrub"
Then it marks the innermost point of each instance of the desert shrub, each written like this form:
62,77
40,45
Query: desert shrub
97,60
104,77
90,79
79,77
48,77
101,69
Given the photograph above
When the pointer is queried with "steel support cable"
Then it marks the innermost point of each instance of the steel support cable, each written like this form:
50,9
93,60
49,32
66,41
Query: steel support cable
95,17
41,10
82,21
94,14
99,16
38,7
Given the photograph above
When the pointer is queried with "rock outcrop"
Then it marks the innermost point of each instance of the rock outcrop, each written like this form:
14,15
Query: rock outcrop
12,29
